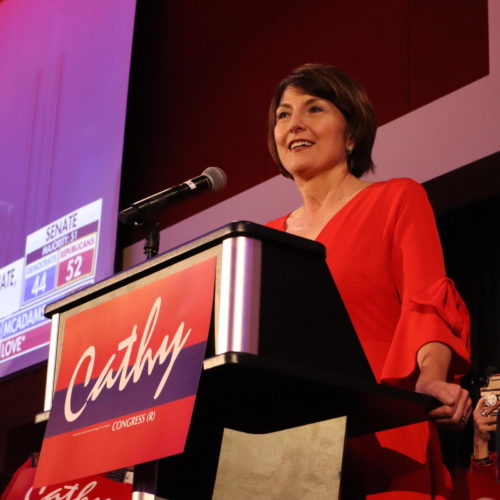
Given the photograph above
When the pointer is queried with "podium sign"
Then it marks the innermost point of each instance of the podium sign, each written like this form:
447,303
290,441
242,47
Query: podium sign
281,353
128,376
89,488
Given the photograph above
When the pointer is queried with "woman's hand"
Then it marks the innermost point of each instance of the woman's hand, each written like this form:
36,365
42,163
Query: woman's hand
457,405
433,360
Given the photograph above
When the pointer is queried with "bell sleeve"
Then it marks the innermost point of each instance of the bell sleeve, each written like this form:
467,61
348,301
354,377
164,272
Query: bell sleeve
431,307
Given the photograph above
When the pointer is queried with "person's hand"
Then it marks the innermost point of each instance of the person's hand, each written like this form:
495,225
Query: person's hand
434,360
457,405
484,423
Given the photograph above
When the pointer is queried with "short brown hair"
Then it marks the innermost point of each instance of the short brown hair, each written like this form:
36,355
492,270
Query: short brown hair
332,84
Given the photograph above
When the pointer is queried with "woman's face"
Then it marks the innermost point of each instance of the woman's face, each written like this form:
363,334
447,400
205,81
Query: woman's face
310,134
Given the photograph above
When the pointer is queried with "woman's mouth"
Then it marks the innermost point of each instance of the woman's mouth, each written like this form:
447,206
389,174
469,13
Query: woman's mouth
299,143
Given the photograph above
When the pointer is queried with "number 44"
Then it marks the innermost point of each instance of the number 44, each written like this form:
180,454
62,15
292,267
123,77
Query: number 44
40,284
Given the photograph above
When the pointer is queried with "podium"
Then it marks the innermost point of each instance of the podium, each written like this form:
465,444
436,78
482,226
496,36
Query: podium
281,354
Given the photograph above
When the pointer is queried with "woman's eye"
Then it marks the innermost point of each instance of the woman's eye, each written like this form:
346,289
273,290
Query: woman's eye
282,114
316,109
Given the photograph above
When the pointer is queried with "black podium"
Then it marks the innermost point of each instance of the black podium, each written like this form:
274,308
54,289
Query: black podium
281,354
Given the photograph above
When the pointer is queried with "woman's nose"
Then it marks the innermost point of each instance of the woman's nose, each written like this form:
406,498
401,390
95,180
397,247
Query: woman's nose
296,122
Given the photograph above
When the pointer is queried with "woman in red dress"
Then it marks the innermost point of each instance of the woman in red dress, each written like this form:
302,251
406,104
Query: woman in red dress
384,253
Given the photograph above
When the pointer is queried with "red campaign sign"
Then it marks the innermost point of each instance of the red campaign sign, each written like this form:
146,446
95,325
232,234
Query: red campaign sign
89,488
129,373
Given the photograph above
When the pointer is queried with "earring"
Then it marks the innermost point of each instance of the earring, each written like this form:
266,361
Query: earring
350,149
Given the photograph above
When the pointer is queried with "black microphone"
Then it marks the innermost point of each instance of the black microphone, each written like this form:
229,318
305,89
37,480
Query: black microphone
211,179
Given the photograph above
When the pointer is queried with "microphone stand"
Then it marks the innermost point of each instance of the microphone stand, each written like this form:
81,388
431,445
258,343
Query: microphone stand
152,243
141,211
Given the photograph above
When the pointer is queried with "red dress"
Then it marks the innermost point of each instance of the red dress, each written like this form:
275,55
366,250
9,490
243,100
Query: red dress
385,256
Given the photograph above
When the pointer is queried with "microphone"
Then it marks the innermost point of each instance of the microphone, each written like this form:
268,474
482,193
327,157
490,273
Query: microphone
211,179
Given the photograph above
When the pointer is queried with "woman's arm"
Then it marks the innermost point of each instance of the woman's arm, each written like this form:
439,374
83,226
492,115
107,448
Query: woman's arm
433,360
431,340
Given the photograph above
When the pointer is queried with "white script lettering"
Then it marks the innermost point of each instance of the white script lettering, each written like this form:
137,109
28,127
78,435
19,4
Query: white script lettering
64,493
125,373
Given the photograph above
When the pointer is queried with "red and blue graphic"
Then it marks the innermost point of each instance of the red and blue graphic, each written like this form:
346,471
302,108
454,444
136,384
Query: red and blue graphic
129,373
59,258
62,254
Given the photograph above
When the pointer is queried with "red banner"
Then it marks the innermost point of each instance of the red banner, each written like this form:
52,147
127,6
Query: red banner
129,373
20,487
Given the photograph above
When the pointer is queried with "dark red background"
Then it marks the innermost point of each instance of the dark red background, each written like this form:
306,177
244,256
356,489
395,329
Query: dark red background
203,74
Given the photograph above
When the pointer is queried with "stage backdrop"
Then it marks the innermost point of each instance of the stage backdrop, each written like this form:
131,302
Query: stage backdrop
64,67
431,68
